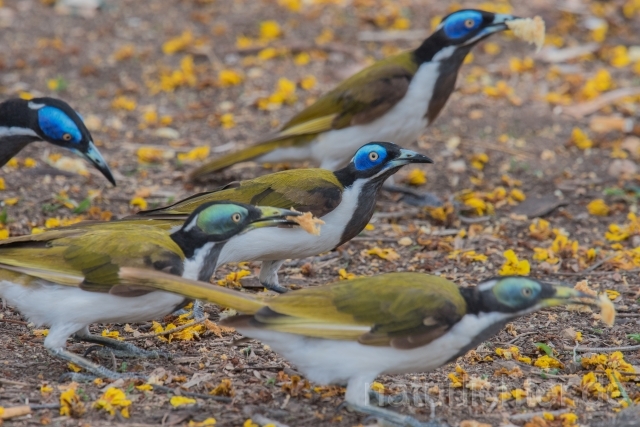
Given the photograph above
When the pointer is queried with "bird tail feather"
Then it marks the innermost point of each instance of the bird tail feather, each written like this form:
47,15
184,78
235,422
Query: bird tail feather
241,302
224,162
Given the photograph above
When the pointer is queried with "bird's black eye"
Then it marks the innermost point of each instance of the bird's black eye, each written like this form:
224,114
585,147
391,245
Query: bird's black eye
373,156
236,217
526,292
67,137
469,23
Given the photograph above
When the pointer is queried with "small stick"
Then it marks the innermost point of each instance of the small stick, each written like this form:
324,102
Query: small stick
17,322
263,421
171,331
603,349
595,273
187,393
586,108
11,382
530,415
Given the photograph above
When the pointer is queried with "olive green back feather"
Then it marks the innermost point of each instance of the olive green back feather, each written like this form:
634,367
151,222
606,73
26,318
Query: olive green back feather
89,257
403,310
360,99
307,190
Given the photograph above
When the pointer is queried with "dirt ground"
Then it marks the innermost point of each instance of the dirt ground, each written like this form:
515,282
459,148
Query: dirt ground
171,76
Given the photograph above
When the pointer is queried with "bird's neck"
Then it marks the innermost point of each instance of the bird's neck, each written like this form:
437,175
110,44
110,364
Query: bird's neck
366,193
16,124
473,299
200,256
444,62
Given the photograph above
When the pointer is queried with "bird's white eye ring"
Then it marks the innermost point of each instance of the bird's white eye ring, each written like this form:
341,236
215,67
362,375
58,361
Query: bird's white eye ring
373,156
236,217
526,292
469,23
66,137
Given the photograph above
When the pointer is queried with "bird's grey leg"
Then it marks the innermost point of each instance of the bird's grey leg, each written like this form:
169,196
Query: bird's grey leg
122,348
357,399
383,399
197,311
87,365
389,418
269,276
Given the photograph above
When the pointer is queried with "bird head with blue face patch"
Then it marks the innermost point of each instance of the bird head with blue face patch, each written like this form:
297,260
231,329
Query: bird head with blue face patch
516,295
221,221
56,122
376,161
460,31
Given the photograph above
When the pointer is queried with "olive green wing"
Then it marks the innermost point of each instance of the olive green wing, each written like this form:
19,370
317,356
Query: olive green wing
307,190
91,257
402,310
360,99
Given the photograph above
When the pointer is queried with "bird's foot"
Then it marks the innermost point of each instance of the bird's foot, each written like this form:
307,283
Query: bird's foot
196,312
94,370
120,348
415,198
389,418
275,287
381,400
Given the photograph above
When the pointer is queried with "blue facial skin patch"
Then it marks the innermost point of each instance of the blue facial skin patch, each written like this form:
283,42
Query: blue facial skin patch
455,26
362,159
54,123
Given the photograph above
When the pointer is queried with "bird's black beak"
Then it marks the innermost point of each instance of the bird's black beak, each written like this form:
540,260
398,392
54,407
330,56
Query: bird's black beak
94,156
561,295
408,156
499,24
272,217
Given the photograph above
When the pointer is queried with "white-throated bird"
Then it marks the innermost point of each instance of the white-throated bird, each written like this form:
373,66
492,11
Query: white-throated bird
344,200
68,278
350,332
392,100
46,119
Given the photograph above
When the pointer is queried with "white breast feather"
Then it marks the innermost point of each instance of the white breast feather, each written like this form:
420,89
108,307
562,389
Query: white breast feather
285,243
334,361
402,125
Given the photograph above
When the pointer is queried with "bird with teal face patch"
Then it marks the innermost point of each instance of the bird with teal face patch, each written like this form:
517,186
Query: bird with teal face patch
350,332
46,119
344,200
67,278
392,100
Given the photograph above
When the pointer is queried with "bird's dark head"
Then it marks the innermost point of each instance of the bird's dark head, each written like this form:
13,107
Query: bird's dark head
460,31
56,122
377,161
220,221
516,295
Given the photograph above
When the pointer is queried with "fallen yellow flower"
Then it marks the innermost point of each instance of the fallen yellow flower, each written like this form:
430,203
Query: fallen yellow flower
387,254
177,401
112,400
514,266
598,207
